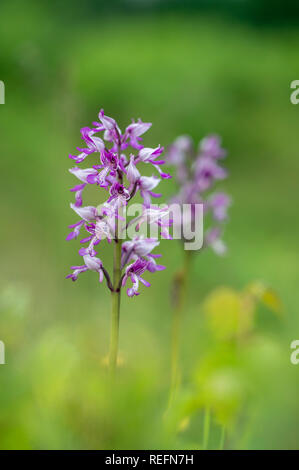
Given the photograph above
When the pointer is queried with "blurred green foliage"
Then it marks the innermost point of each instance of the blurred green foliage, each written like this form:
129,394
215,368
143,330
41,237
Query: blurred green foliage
193,74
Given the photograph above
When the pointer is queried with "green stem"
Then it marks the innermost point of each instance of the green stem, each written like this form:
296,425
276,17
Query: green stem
115,307
179,295
115,294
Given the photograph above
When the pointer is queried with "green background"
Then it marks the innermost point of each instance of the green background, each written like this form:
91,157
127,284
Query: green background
190,69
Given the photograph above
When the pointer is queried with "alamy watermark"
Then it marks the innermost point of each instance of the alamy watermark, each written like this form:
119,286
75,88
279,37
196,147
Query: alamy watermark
2,353
294,358
294,97
2,92
181,222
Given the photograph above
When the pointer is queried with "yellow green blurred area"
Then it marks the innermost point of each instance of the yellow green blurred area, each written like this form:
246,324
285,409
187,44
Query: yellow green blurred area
186,70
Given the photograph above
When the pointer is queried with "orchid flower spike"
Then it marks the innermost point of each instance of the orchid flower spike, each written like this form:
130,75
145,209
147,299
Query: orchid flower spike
115,169
197,172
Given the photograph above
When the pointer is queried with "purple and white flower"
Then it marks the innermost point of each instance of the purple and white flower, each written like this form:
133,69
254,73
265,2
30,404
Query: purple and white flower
94,144
109,167
134,131
133,173
197,180
119,196
219,204
83,174
134,272
76,271
87,213
139,247
150,155
146,184
207,171
117,173
78,189
211,146
156,216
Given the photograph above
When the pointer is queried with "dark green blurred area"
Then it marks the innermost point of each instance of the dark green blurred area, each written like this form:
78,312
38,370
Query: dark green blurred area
197,69
256,12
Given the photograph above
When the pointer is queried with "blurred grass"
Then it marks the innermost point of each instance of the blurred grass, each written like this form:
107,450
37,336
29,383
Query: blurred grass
186,74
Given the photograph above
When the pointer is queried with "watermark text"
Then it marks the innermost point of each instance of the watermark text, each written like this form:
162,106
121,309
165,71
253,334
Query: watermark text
294,97
2,92
2,353
294,358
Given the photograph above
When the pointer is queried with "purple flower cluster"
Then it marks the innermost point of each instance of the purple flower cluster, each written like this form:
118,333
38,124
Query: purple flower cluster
197,173
120,177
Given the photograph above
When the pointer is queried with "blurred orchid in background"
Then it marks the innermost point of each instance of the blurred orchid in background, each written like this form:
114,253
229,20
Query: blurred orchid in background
197,172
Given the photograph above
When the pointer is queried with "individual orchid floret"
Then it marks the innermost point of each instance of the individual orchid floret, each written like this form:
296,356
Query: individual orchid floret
112,131
133,173
146,184
119,196
134,131
178,151
83,174
134,272
219,203
86,213
75,233
78,189
99,231
108,123
206,172
178,155
103,229
94,144
141,247
214,240
110,212
77,270
152,265
149,155
91,261
109,167
138,247
210,146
